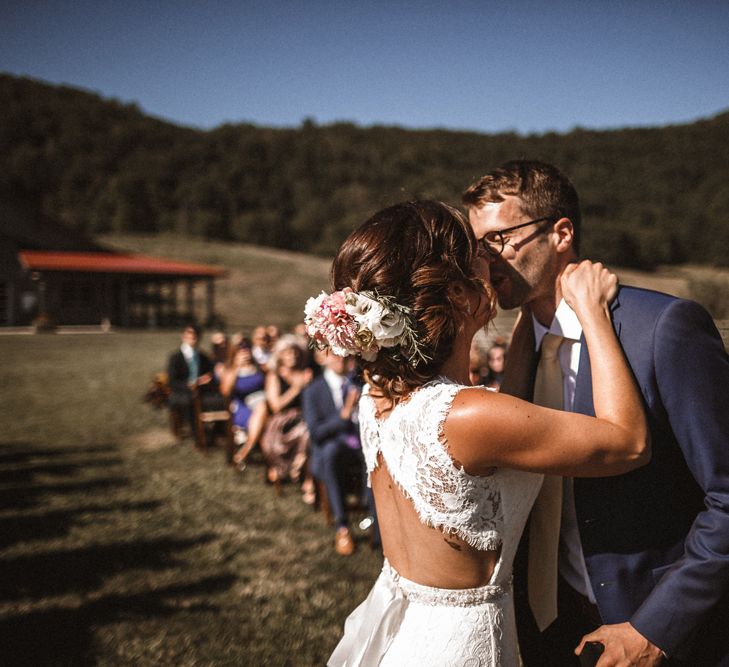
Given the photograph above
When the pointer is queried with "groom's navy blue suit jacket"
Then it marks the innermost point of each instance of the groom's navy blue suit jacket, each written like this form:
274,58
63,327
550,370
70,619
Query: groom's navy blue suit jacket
656,540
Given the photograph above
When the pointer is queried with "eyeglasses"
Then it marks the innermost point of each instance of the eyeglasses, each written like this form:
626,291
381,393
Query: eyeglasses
494,243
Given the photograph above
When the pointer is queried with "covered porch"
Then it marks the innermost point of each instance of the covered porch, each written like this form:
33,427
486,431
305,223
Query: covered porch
86,288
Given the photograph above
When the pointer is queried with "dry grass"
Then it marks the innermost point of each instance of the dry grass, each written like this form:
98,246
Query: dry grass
118,546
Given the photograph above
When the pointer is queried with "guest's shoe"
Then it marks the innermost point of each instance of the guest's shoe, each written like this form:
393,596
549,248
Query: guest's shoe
343,542
308,491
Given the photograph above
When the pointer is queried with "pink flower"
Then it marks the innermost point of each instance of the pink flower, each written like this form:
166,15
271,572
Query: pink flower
329,324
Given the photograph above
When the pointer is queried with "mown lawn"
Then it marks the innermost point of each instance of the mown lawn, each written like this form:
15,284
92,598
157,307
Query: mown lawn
118,546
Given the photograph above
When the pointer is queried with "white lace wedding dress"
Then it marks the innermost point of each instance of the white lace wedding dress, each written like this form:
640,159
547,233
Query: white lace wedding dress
404,623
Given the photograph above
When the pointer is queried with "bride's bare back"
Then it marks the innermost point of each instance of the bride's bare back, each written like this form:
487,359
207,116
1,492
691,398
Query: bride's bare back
421,553
441,526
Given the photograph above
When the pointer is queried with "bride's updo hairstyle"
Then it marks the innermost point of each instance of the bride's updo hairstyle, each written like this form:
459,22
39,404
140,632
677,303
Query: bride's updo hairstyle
413,252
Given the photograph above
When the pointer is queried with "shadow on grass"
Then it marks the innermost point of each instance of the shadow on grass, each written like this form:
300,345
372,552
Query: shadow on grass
80,570
57,523
20,452
22,496
28,472
65,636
23,477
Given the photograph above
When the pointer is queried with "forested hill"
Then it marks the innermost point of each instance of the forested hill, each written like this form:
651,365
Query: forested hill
650,196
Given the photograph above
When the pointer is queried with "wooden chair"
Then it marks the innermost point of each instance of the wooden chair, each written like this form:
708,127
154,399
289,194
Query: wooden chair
207,419
322,502
352,479
158,396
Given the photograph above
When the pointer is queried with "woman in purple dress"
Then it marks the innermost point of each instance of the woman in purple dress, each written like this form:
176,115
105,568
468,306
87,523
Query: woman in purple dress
243,382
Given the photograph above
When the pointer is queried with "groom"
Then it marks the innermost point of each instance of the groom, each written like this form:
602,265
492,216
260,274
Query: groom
643,556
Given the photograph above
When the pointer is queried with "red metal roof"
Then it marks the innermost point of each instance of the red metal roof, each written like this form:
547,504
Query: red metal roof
102,262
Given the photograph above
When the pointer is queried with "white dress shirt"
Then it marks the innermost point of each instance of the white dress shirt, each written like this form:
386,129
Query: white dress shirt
571,559
335,382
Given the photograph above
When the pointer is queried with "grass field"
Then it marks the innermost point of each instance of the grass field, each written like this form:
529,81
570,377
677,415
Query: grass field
119,547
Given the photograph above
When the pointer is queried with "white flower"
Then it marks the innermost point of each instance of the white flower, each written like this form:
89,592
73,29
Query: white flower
359,305
388,330
386,326
312,303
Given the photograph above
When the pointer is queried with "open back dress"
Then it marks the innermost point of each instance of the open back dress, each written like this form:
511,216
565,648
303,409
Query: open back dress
406,623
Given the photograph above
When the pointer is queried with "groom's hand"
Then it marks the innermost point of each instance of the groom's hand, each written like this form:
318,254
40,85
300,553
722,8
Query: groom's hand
624,647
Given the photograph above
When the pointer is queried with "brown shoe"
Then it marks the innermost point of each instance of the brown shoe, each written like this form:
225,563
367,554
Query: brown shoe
343,542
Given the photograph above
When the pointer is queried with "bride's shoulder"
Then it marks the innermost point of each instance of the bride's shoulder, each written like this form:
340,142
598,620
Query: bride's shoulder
471,396
470,405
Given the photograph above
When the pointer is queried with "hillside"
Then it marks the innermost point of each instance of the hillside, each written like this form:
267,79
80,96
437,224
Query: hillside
651,196
265,285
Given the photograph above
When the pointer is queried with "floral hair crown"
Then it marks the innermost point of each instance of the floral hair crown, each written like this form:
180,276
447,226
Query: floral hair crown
361,323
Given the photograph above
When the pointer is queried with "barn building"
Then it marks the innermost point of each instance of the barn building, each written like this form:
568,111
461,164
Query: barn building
50,275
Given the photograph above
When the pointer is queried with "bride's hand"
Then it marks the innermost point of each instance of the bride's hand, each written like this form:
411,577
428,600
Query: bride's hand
588,285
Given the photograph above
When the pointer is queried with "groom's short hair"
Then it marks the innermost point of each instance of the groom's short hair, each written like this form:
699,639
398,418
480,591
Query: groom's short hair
544,191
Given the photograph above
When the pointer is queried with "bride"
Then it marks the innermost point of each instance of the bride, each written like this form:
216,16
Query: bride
455,469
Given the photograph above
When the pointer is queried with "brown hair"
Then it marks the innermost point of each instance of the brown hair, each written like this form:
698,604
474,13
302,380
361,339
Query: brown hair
412,252
544,191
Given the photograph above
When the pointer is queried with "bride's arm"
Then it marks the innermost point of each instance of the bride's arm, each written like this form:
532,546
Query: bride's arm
484,429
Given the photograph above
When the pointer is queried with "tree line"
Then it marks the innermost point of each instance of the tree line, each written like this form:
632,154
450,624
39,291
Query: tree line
650,195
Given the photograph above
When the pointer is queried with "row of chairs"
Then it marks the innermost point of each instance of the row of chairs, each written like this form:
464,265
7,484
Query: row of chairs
210,423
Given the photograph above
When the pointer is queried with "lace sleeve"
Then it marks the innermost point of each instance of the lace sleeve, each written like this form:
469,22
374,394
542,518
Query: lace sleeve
445,496
369,432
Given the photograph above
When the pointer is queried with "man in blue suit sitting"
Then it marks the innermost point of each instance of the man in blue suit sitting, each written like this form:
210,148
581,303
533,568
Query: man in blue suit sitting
643,558
330,411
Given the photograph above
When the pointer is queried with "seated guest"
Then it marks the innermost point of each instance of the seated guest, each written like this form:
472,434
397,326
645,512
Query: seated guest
476,370
188,370
495,358
261,346
273,333
285,438
300,330
219,352
242,382
330,404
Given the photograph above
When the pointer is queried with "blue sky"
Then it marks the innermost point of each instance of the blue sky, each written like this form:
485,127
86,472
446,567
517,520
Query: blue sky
529,66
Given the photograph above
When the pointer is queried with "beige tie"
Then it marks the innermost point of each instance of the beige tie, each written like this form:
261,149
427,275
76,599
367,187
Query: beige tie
547,512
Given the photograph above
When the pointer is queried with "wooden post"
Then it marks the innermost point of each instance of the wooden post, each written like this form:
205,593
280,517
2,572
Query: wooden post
124,303
173,303
10,304
157,305
41,296
190,300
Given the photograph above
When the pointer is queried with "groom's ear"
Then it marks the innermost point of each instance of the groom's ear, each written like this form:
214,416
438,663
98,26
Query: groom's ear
564,235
